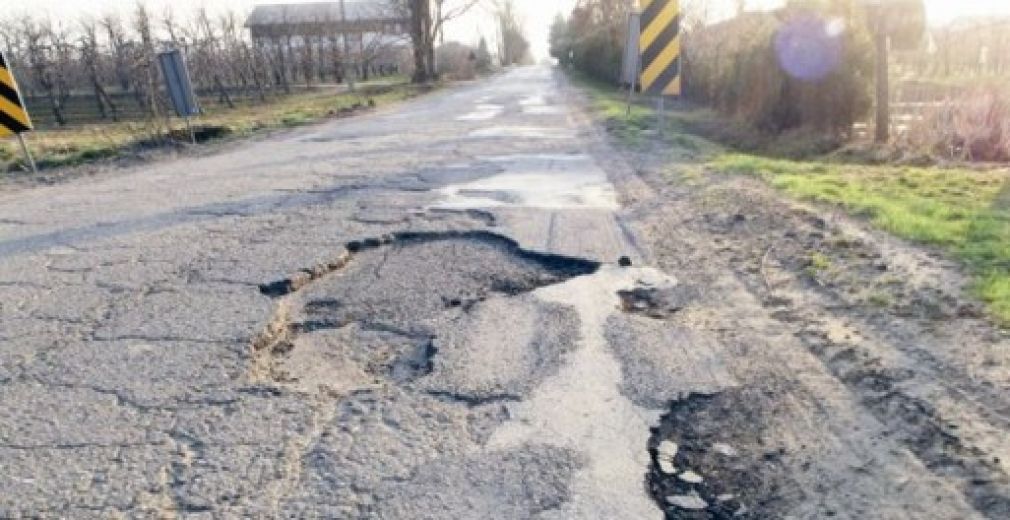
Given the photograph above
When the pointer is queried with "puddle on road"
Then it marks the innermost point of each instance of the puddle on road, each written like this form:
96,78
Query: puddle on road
524,132
537,99
537,105
543,111
582,407
483,112
541,181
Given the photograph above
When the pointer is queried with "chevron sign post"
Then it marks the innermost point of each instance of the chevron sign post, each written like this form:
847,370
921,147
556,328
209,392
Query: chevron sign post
14,119
659,45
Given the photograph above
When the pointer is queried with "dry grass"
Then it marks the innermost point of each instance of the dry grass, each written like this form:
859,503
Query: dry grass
76,145
964,211
975,126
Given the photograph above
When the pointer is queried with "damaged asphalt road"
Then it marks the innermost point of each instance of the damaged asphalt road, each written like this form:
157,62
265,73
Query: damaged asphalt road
467,306
355,320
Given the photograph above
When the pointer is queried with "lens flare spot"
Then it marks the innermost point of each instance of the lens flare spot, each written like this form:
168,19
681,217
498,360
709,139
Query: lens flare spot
808,47
835,27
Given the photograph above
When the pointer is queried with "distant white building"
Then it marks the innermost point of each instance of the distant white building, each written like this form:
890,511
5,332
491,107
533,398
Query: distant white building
372,32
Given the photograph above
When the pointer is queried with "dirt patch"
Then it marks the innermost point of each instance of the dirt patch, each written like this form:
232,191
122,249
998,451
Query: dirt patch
202,134
920,425
889,321
880,316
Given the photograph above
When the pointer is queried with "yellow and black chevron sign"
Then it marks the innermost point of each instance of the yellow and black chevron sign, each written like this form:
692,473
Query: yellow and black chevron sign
13,116
660,47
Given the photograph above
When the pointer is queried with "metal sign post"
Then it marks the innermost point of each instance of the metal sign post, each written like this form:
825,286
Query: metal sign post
14,118
661,115
180,87
632,68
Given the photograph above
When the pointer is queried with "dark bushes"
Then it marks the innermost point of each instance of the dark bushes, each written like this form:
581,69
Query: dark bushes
796,69
592,39
804,67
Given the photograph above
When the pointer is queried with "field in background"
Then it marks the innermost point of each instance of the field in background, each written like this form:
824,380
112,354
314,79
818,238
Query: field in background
83,109
77,144
963,210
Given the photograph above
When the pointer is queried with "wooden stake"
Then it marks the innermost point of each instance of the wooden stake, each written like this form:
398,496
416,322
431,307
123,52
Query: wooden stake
189,128
28,154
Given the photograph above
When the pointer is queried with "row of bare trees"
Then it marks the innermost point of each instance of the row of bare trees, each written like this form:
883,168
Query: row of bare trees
105,68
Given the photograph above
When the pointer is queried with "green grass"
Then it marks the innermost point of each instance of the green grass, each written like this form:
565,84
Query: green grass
691,132
819,262
966,212
609,104
79,144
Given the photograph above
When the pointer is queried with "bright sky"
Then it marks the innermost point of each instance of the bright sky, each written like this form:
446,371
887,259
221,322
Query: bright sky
938,11
537,14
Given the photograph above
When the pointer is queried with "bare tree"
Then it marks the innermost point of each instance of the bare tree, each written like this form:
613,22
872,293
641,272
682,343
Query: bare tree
46,53
426,25
108,63
513,45
91,57
119,45
145,73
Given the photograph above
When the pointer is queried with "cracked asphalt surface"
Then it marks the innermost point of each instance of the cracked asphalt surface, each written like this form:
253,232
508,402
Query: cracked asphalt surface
343,321
420,313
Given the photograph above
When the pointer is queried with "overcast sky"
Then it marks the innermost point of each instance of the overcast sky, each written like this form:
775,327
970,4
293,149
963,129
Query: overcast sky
537,14
939,11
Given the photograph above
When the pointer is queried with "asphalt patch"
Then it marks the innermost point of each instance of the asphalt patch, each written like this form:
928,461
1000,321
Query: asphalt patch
656,302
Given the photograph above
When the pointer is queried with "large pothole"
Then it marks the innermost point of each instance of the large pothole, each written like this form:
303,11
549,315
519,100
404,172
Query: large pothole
715,458
393,309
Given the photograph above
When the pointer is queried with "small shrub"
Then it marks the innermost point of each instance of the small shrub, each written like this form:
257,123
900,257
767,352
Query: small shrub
974,126
456,61
818,263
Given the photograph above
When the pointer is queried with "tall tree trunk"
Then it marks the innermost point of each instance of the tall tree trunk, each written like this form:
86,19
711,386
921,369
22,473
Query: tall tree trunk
223,98
420,19
103,95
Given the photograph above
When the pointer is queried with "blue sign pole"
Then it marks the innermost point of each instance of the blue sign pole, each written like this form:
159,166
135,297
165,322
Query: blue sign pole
180,87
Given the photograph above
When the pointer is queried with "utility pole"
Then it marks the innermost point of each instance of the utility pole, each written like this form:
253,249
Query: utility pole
899,24
347,47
